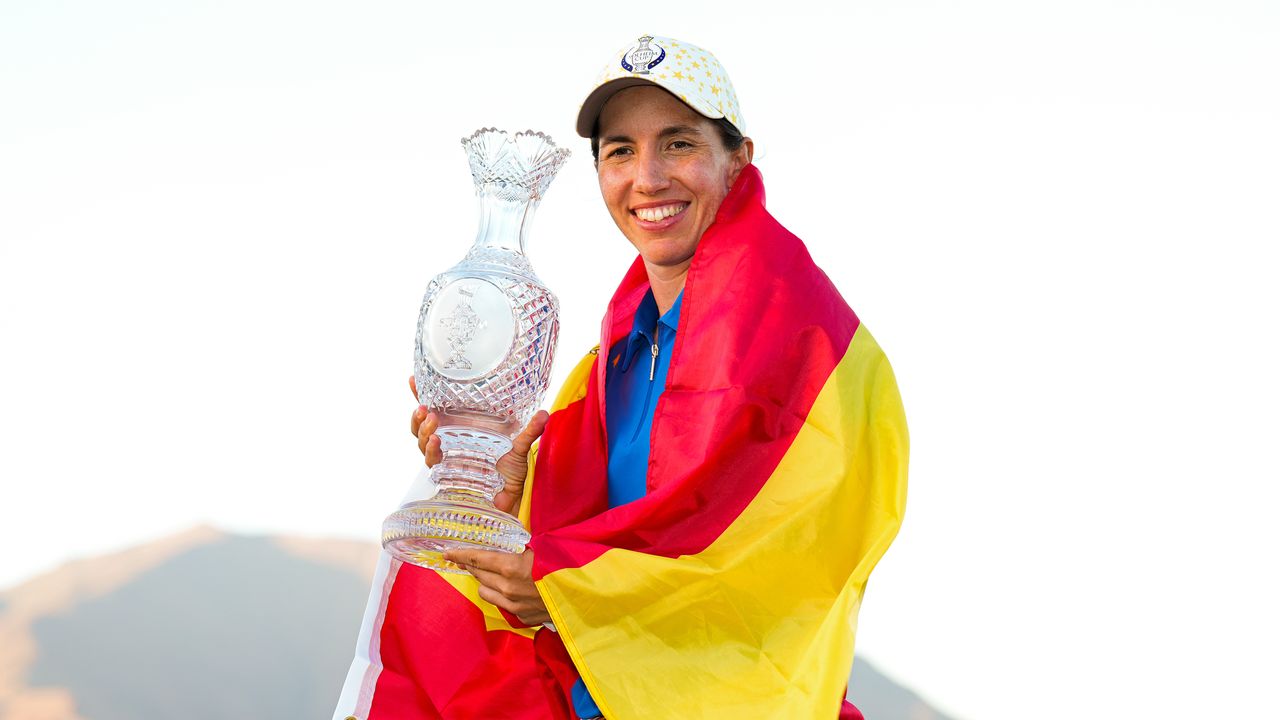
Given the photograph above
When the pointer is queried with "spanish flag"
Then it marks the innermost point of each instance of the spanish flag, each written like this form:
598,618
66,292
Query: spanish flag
776,481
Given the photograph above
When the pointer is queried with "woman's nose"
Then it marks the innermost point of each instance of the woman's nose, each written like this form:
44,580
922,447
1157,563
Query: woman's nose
651,174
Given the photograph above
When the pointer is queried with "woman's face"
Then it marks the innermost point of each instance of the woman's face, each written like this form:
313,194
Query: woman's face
663,172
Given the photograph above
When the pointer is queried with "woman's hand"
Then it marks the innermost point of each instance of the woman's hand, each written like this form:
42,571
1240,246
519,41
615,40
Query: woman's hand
513,466
422,425
506,580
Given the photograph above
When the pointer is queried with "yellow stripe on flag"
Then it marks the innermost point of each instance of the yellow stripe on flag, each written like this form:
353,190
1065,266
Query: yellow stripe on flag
761,623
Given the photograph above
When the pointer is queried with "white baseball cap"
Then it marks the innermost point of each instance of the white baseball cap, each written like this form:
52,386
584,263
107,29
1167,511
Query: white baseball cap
686,71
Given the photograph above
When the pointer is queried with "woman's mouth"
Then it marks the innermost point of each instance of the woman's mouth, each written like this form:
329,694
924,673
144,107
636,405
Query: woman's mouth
657,217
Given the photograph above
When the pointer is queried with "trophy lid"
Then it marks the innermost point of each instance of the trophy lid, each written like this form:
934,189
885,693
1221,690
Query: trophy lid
517,167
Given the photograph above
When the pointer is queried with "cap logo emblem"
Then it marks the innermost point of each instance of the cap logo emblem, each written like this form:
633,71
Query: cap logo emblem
641,59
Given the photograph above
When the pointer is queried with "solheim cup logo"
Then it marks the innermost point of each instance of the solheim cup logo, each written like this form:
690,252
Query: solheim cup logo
641,59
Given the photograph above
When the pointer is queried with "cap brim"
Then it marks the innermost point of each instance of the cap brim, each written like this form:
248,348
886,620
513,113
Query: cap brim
591,107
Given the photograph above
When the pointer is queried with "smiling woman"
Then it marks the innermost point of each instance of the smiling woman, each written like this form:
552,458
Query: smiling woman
663,173
703,524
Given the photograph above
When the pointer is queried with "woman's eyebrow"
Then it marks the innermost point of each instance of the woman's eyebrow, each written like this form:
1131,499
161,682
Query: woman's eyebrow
679,130
666,132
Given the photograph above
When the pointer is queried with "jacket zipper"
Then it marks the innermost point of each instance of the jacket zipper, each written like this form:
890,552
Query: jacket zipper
648,395
653,352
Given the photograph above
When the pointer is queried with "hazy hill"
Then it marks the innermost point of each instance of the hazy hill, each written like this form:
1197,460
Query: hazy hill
211,626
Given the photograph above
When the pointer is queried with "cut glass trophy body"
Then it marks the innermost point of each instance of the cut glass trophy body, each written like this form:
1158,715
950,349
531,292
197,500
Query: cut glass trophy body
486,337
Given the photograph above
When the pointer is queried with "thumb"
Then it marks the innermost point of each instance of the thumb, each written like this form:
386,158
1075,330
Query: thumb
531,432
504,501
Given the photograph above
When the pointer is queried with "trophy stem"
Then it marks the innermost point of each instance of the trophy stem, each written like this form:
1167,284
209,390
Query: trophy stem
461,514
469,461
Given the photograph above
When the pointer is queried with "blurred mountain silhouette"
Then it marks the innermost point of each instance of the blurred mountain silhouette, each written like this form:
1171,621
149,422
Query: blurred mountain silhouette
207,626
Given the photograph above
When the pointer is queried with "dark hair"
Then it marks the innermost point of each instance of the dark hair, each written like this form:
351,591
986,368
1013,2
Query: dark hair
730,137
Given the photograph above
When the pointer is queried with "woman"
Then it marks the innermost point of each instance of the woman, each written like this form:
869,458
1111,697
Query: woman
709,495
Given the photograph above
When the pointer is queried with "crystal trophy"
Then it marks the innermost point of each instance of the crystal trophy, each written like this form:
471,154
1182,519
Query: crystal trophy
486,335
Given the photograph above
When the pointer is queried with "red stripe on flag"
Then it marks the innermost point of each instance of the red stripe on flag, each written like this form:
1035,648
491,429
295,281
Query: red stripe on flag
761,329
570,440
849,712
439,661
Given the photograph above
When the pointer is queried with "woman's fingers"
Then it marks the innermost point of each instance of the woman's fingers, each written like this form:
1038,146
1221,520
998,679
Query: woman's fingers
415,420
495,598
505,580
425,427
433,454
506,499
428,441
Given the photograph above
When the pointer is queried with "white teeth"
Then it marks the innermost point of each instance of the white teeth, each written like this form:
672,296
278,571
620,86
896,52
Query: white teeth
654,214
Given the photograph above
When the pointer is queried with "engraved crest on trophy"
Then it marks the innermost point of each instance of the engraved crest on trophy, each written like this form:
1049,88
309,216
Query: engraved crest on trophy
462,324
486,336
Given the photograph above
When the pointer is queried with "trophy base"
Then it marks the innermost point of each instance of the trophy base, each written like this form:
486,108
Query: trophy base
420,532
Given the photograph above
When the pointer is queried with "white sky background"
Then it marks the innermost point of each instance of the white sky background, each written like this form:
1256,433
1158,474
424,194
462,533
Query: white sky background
1060,220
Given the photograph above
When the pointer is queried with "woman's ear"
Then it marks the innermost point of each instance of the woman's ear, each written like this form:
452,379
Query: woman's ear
740,159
